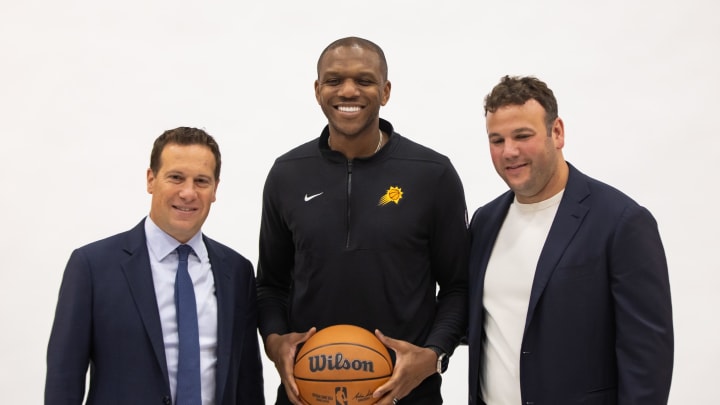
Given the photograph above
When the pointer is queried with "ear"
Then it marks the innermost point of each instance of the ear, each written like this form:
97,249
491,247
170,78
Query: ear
317,92
217,183
150,181
386,93
558,133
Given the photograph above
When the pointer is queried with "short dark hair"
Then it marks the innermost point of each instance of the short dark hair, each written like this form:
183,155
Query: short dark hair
517,90
362,43
184,136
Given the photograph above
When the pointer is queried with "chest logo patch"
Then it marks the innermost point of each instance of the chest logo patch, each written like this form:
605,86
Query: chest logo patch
310,197
393,194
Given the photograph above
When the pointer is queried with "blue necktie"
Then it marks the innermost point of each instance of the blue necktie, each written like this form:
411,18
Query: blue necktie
188,371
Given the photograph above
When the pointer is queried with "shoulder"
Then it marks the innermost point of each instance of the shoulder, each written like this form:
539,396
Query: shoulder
492,210
588,188
422,162
123,240
411,150
605,204
296,162
307,150
225,253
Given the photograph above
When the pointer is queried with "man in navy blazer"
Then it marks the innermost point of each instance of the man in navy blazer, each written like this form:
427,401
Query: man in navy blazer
116,311
569,291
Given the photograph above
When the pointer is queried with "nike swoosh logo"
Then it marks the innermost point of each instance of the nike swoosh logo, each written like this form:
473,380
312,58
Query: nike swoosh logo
310,197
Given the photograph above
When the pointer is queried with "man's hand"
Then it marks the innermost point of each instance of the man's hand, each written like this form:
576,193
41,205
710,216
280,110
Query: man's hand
281,349
413,364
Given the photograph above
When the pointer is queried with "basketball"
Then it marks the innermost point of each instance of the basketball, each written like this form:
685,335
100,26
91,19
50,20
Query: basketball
341,365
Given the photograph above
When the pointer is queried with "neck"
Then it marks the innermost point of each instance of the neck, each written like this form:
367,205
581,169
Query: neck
358,146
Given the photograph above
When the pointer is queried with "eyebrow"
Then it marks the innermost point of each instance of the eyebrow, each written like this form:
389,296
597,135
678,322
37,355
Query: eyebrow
522,129
515,131
360,73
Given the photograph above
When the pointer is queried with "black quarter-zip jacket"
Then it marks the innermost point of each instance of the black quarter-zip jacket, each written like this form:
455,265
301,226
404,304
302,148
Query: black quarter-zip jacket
365,242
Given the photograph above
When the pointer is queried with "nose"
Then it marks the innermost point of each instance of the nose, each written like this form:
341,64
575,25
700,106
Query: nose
510,149
187,190
348,88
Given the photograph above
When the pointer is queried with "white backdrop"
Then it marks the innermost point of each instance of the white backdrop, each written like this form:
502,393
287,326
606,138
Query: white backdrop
86,86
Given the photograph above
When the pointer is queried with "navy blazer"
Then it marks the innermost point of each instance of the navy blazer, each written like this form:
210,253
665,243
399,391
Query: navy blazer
107,317
599,322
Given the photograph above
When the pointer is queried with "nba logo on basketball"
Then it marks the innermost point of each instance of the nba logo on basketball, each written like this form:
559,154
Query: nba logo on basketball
341,396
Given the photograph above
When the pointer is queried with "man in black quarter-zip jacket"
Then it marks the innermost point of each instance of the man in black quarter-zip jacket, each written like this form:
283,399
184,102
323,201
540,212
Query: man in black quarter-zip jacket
360,226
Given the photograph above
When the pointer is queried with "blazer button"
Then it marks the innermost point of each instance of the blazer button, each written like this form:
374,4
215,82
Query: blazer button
166,400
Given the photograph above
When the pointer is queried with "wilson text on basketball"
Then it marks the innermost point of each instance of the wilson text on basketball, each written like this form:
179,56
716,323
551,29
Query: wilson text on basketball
339,362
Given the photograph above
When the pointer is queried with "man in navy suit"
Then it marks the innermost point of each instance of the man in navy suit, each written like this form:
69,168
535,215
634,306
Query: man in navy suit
116,307
569,291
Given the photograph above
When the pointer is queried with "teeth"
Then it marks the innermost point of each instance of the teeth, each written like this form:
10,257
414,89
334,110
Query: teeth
345,108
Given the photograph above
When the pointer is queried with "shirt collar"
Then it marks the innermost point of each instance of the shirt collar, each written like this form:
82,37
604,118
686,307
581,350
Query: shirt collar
160,244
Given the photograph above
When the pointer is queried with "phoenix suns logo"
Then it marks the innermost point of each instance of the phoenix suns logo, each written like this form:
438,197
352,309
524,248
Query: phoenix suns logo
393,194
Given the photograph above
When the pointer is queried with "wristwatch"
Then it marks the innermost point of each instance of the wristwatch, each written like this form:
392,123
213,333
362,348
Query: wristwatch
442,361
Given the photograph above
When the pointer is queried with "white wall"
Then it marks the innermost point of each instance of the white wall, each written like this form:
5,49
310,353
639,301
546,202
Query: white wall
86,86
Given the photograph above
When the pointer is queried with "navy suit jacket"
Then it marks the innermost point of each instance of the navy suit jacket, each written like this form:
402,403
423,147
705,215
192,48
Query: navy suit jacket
107,317
599,321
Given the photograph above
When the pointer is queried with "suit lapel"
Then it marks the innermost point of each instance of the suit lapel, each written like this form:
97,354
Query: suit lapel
139,277
489,222
570,215
224,290
485,227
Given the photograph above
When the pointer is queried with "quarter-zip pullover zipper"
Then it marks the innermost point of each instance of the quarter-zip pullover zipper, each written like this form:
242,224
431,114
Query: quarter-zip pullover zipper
349,192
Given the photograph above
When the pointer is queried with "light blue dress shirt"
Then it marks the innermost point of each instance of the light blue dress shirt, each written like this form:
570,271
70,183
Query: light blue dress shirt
164,262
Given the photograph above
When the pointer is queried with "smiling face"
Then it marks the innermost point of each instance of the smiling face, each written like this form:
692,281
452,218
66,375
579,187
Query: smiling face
527,159
350,89
182,189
